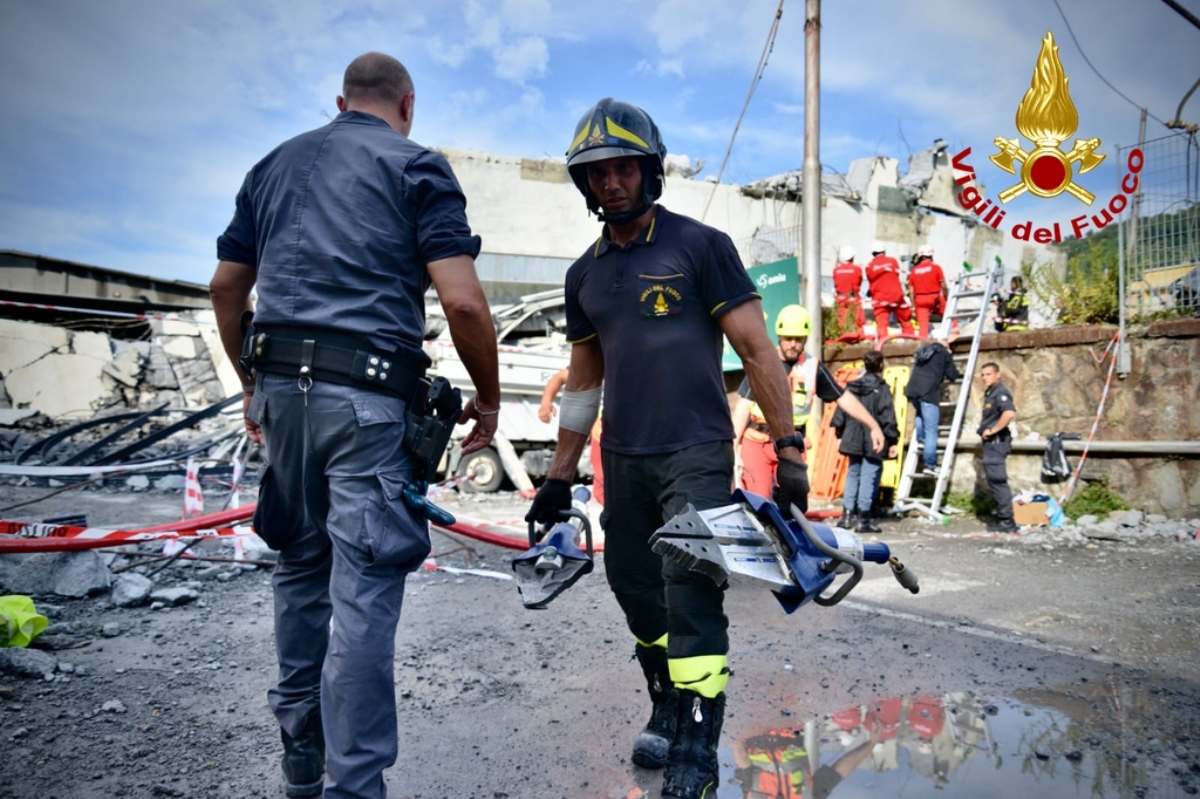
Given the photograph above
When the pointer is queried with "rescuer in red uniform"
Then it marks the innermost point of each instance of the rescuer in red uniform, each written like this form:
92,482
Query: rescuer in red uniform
847,284
887,292
927,287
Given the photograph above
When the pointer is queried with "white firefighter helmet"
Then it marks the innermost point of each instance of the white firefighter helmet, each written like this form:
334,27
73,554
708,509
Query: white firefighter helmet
847,254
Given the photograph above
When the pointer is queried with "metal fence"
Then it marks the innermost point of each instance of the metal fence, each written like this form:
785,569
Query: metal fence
769,245
1161,250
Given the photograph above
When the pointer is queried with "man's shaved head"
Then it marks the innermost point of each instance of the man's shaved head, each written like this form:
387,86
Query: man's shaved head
375,78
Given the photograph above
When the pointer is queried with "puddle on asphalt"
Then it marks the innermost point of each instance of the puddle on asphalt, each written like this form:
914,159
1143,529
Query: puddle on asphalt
1109,739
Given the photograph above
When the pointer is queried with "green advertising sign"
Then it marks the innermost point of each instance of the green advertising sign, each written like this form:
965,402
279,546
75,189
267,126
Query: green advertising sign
779,285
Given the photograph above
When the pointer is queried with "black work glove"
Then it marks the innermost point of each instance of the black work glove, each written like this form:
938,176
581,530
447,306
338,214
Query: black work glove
553,499
792,488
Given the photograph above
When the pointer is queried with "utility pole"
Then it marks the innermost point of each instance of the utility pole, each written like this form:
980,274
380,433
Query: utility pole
811,197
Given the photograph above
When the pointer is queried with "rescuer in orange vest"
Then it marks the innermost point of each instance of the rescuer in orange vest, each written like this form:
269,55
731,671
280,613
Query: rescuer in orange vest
756,455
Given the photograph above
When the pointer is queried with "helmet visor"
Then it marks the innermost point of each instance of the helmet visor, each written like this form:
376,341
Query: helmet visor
594,154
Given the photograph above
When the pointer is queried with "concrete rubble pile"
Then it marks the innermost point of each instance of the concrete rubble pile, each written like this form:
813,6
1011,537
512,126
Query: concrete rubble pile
53,378
1122,526
139,576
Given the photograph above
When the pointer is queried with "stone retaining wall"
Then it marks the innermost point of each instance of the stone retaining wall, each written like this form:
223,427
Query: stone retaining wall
1057,386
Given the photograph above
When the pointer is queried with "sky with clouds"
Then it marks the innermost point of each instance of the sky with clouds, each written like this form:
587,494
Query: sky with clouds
130,124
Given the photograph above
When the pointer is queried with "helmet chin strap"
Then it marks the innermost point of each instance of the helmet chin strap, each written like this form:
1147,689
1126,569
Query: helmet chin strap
622,217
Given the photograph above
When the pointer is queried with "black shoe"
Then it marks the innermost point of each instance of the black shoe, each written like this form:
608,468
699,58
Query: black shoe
304,759
650,746
693,770
1002,526
865,525
848,519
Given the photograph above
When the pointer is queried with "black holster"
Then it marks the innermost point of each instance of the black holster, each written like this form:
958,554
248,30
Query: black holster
432,415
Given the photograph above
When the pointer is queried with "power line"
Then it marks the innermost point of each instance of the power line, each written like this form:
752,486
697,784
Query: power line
1183,12
1093,68
768,47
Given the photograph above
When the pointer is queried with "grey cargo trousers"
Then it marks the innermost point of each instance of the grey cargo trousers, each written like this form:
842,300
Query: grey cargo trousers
330,504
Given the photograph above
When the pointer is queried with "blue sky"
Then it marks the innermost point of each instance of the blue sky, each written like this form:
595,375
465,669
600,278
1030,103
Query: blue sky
129,124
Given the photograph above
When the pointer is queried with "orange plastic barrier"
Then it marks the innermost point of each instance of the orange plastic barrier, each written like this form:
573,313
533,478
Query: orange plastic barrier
827,466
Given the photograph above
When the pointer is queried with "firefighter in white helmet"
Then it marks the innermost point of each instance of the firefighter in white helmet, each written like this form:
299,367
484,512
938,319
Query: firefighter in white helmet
887,292
927,288
847,285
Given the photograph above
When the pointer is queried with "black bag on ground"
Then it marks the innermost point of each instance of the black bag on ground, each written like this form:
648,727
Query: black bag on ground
1055,466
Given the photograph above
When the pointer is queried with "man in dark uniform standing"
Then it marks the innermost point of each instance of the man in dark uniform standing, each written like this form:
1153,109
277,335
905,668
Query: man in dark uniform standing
998,412
647,306
343,229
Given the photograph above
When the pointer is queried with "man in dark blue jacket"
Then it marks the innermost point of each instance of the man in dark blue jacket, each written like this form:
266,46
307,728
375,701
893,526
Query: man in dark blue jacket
932,366
866,461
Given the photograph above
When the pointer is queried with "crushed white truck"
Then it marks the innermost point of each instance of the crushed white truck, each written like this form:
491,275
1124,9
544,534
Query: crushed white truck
532,349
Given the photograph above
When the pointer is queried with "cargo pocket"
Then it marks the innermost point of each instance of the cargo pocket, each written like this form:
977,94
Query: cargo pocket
276,520
395,536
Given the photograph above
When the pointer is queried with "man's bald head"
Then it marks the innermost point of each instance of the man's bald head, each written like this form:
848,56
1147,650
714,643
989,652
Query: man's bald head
375,78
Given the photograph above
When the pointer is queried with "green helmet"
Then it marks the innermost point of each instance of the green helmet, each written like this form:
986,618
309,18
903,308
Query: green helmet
612,129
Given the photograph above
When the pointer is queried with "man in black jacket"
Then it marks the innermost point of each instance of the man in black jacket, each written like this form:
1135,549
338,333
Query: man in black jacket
866,462
932,366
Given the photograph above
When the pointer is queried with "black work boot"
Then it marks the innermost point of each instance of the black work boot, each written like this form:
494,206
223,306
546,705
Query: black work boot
848,520
304,759
692,767
650,747
865,525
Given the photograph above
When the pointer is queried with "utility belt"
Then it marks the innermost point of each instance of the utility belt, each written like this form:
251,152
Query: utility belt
330,356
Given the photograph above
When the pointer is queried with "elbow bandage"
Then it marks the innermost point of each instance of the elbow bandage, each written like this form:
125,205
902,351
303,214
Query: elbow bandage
578,409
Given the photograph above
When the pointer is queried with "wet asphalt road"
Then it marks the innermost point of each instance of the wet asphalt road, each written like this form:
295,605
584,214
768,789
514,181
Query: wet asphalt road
1018,671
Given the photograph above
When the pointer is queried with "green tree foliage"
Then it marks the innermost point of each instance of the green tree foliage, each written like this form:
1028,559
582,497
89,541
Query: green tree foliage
1089,292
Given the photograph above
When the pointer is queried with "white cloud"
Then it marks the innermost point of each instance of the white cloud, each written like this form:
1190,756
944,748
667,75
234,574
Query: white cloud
664,67
523,59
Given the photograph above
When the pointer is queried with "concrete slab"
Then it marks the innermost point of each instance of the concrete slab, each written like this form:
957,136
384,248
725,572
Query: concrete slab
180,327
179,346
22,343
59,384
92,344
10,416
226,370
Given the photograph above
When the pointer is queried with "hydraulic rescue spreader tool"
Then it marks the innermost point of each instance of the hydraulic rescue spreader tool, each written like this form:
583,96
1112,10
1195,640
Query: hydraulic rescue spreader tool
798,559
554,562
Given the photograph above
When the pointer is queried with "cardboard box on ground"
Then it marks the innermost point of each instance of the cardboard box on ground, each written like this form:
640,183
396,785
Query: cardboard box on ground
1029,512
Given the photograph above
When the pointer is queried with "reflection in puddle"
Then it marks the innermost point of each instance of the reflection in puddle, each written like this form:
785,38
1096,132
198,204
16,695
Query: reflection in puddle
1106,740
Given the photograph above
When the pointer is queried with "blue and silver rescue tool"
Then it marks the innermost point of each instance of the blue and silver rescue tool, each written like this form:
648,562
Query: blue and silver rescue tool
797,558
554,561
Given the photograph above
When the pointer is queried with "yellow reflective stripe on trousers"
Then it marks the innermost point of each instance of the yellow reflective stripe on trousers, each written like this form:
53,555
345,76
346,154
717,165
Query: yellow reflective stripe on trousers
660,642
706,674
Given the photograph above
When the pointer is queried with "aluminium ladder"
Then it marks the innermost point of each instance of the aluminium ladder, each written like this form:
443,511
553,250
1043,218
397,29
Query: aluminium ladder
966,286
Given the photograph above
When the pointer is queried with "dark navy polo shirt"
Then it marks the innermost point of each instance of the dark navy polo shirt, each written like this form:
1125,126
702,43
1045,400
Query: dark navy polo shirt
996,400
654,304
340,222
